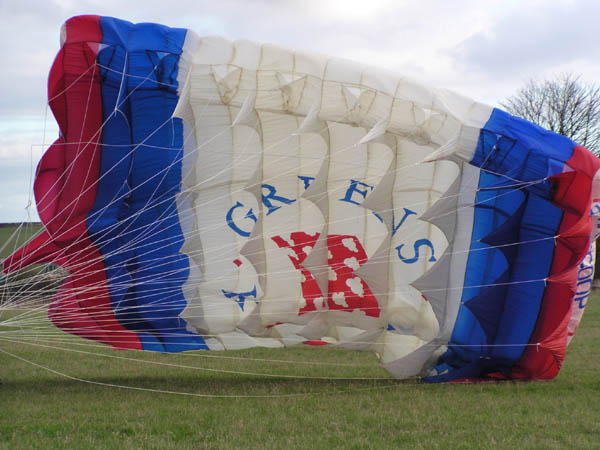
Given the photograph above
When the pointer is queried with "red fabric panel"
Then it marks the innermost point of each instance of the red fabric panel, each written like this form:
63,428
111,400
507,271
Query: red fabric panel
84,28
39,250
343,249
315,342
66,313
299,242
65,187
65,191
543,359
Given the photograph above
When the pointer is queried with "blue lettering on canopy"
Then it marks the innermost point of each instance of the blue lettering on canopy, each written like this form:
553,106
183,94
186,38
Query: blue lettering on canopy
419,243
267,199
241,296
249,215
407,212
584,280
307,180
595,211
354,184
356,188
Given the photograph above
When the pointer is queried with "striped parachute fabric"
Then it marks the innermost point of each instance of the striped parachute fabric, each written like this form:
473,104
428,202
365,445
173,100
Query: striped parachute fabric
210,194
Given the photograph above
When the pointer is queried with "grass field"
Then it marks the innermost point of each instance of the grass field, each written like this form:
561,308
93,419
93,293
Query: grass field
18,236
27,282
60,391
128,407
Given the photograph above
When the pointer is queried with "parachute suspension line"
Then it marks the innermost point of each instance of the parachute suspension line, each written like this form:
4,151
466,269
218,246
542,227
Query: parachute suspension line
504,245
79,151
43,340
518,242
56,336
105,174
194,394
73,83
117,106
94,141
205,369
146,77
159,290
124,74
117,199
411,205
18,319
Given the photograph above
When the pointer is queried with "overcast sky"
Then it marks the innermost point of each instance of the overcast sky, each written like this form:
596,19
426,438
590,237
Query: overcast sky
483,49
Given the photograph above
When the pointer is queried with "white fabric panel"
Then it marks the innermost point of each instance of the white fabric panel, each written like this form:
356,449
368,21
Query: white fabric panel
276,58
344,71
213,50
247,55
411,364
392,346
343,129
311,64
237,340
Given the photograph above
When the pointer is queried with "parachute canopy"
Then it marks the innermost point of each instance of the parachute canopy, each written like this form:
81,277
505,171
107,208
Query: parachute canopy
210,194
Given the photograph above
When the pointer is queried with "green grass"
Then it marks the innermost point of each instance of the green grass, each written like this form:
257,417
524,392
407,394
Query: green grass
29,280
20,237
42,409
123,402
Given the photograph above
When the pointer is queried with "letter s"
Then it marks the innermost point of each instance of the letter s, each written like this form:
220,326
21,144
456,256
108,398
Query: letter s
419,243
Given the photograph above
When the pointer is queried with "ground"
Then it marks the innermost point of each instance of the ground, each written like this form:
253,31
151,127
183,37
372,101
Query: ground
60,391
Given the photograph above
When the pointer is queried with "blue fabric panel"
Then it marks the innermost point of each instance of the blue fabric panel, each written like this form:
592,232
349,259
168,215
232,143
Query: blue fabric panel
468,341
450,373
540,223
512,246
142,37
508,143
108,219
134,221
488,306
493,209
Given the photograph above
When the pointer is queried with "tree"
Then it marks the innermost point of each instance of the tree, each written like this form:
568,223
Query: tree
564,105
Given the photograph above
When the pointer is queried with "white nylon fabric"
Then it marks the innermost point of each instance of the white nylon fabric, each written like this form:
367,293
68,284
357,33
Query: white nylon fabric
308,199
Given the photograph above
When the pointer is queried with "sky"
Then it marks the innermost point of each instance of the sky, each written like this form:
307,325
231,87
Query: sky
483,49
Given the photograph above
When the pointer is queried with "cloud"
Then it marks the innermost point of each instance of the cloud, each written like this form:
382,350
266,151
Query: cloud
534,39
451,44
483,52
